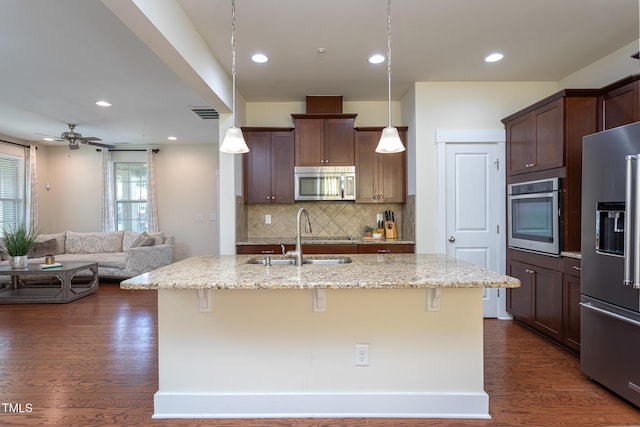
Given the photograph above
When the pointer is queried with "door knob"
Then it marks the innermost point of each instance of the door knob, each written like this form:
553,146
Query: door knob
452,239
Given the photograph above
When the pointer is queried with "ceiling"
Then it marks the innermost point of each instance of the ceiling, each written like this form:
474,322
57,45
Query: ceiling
59,57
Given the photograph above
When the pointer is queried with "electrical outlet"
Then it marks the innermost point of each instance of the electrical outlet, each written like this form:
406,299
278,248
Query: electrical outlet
267,219
362,354
184,251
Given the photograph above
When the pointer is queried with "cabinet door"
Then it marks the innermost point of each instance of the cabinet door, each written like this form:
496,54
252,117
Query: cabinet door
282,163
520,146
338,142
519,300
571,285
391,178
620,106
366,166
381,248
257,168
549,140
547,307
309,137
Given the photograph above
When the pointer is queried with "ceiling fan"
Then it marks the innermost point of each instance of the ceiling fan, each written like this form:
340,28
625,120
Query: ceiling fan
75,138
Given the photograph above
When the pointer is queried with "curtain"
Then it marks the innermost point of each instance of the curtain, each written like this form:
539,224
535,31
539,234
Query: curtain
153,224
32,191
108,201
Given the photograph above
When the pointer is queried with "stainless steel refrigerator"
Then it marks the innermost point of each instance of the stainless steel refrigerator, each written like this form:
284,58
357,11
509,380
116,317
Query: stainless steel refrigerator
610,278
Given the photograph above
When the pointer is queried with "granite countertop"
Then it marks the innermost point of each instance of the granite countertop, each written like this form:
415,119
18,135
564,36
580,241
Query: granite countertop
366,271
576,255
321,241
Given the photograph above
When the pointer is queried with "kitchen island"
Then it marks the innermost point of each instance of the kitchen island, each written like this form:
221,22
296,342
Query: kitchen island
382,336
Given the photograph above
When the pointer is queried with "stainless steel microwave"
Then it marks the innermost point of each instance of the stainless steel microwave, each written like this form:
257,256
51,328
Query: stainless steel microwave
325,182
533,215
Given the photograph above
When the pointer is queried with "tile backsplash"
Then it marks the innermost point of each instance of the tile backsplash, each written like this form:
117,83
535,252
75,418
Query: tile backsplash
328,219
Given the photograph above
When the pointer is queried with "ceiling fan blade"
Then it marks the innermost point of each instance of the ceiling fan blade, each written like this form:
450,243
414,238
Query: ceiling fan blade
98,144
89,138
55,138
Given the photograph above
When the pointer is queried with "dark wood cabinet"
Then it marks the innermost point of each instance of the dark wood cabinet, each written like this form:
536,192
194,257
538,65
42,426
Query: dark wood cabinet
535,139
620,103
324,139
380,178
330,248
549,296
544,140
382,248
519,300
268,166
543,135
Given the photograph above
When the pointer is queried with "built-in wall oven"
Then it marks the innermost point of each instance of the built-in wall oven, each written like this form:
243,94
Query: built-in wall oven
533,212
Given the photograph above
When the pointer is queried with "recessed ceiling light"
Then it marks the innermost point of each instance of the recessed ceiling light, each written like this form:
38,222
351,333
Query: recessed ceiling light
103,103
494,57
377,59
172,138
48,139
260,58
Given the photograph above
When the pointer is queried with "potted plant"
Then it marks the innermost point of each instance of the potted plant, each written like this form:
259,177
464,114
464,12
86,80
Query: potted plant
17,243
368,231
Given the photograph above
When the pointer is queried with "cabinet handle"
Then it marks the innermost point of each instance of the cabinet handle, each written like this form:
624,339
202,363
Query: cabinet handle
268,198
273,197
575,267
529,165
375,196
266,252
530,271
380,196
384,251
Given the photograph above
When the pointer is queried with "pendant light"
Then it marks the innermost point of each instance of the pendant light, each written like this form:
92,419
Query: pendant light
389,140
233,142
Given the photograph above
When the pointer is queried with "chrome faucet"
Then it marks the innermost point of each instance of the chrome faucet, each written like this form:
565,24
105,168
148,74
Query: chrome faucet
307,229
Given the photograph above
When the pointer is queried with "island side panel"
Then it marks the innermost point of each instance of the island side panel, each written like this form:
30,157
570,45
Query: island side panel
267,353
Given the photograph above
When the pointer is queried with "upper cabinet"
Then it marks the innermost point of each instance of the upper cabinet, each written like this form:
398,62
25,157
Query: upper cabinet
381,178
539,137
620,103
268,166
536,139
324,139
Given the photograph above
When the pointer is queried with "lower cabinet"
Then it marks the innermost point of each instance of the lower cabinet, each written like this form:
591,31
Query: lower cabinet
549,296
345,248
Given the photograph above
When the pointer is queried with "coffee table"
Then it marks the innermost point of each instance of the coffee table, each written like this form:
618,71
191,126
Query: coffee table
55,285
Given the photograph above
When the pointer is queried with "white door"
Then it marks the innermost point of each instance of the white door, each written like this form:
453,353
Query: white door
472,209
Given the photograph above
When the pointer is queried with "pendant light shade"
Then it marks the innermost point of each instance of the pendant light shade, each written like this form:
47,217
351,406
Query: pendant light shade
233,142
389,140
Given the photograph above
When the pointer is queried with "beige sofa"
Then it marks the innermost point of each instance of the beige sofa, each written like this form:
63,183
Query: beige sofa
119,254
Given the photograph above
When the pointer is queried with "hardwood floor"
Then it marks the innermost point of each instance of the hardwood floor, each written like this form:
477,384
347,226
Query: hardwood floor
93,362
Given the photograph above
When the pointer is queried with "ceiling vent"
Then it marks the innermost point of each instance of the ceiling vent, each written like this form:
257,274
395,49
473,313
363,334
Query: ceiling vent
205,113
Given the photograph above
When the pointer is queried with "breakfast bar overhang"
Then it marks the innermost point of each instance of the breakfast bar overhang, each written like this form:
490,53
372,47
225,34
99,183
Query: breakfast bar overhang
394,335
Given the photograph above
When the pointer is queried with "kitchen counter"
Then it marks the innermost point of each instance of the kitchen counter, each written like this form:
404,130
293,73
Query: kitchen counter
384,336
365,272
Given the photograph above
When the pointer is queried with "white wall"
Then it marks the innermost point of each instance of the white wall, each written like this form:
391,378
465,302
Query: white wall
278,114
456,106
186,187
609,69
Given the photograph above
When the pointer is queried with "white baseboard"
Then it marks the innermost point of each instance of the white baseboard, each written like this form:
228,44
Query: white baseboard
321,405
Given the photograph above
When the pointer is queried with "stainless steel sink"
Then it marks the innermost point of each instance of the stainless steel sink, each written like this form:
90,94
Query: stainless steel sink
315,259
264,260
327,260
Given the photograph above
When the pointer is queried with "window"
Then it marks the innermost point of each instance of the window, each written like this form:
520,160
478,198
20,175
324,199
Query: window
12,203
131,196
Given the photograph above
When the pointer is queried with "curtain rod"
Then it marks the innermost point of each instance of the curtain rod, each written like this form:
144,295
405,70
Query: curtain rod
14,143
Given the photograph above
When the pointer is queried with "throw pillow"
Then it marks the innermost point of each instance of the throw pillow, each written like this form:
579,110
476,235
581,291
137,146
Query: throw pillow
42,248
143,240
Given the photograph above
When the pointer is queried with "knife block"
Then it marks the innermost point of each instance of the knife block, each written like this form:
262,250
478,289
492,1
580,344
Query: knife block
390,230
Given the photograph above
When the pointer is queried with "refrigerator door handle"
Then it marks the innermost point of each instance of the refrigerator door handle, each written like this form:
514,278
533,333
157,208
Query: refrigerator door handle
588,305
630,208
